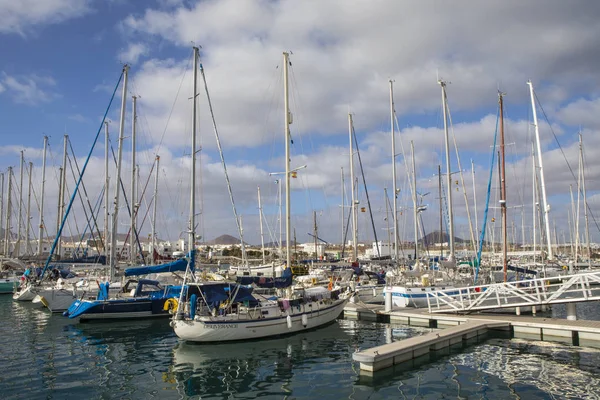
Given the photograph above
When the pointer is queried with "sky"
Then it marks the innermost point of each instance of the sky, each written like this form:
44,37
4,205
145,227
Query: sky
62,60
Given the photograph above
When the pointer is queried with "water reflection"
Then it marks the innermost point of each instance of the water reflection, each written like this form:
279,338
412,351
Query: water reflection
47,356
263,367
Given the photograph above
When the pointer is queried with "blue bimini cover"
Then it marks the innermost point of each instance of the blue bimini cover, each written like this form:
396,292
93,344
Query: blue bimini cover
174,266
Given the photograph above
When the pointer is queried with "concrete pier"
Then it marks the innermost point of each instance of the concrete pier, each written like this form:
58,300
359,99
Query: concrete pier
385,356
457,328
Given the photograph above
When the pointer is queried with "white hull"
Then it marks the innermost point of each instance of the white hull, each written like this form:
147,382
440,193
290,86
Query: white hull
257,270
58,300
26,294
217,329
413,296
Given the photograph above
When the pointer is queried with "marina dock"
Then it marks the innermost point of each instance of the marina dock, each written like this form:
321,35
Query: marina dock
457,329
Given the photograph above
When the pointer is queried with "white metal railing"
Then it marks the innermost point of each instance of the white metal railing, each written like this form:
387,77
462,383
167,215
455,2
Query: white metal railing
532,292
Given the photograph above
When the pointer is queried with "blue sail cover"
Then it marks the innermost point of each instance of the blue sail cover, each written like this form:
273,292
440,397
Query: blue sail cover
174,266
285,280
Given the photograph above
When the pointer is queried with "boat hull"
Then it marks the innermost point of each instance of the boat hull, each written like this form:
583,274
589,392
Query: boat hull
414,296
25,294
87,310
217,329
8,285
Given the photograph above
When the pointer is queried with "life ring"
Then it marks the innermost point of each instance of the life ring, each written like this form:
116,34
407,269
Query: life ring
170,305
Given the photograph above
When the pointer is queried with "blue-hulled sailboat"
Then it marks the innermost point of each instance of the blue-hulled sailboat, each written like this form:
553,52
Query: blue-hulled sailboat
139,298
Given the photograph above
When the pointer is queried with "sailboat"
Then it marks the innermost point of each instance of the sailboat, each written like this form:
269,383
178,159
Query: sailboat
220,311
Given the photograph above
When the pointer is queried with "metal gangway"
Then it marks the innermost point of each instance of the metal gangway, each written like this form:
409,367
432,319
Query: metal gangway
531,292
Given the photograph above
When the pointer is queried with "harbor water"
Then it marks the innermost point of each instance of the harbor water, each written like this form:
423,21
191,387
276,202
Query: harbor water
47,356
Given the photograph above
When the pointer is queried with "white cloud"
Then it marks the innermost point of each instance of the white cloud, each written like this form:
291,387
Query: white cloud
77,118
133,52
25,15
29,89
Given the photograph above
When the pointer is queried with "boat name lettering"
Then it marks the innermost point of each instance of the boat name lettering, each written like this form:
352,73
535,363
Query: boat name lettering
221,326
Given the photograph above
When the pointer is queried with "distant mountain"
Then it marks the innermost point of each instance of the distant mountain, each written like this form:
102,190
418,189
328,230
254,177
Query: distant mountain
440,237
224,240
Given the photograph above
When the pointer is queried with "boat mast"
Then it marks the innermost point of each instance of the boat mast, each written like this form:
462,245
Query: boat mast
541,166
286,106
115,219
192,227
585,205
387,220
503,187
475,204
8,212
28,215
2,207
20,216
441,213
414,193
280,220
534,198
577,208
354,217
41,219
154,207
262,237
132,235
315,234
343,205
448,175
394,188
106,191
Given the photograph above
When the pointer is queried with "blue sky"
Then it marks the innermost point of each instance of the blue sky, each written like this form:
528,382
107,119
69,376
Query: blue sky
62,60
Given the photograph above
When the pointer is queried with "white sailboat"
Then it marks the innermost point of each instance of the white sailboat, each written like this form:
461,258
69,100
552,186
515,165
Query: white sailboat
211,311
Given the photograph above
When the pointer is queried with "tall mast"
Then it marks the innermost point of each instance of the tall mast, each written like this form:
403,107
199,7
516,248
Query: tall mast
115,219
20,216
8,212
394,188
28,215
387,220
448,175
441,213
262,237
585,205
106,191
155,206
2,208
343,205
354,219
414,195
63,186
503,187
132,235
534,198
280,220
541,167
315,233
475,204
192,227
41,219
286,106
577,208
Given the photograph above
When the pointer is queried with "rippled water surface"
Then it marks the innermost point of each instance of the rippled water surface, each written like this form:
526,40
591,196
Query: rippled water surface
44,356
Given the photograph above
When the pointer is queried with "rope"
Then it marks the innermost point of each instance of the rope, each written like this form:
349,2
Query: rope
212,115
62,224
